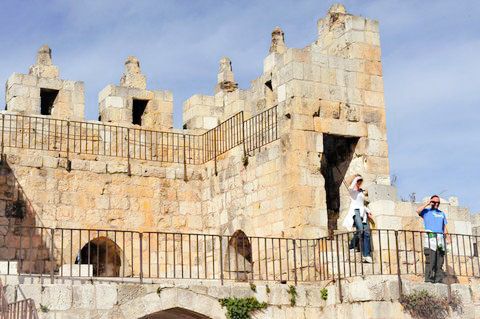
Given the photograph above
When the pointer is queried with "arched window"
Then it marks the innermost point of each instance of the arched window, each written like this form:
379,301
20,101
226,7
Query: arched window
104,255
239,257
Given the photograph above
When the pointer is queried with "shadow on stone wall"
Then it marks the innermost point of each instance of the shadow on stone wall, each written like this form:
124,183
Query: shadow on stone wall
22,237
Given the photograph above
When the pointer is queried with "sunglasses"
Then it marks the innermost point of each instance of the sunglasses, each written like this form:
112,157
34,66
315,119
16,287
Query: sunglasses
434,203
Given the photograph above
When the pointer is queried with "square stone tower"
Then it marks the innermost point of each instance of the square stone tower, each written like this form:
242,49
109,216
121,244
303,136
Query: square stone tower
42,92
130,103
330,113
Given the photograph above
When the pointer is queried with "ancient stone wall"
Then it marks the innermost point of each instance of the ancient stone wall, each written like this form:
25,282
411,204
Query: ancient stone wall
375,297
279,166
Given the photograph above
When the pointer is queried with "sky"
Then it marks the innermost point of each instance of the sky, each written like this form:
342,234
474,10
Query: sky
430,56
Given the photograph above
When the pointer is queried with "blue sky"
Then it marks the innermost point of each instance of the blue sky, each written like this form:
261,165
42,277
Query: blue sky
430,52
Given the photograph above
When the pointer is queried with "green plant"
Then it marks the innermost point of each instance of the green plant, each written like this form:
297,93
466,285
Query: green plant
241,308
292,291
253,287
267,289
44,308
324,293
424,305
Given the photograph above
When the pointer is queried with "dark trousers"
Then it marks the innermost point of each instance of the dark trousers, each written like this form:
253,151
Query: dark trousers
433,265
362,235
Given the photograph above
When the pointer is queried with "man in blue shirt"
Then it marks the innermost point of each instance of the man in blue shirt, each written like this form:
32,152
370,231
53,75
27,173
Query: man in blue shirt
435,222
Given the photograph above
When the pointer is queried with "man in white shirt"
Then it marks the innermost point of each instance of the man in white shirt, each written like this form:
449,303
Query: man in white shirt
357,216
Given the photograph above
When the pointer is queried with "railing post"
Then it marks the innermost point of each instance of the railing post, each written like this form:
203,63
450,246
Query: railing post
243,134
215,149
294,261
338,270
449,287
399,272
140,236
69,163
221,258
3,139
184,159
52,234
129,171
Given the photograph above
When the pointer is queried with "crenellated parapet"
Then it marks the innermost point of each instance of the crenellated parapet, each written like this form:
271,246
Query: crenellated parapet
43,92
130,103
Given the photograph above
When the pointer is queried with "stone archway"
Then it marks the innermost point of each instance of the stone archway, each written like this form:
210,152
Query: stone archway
104,255
175,313
174,303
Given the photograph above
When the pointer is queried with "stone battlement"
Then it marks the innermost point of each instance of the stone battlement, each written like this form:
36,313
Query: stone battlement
270,160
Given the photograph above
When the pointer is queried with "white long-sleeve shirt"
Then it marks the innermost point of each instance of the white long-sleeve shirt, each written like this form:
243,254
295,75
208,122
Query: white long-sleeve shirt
357,202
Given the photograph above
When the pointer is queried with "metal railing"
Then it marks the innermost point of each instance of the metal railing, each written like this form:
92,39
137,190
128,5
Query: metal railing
23,309
66,252
68,138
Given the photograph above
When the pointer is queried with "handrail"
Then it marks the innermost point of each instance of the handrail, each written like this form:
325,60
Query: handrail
24,309
68,138
173,255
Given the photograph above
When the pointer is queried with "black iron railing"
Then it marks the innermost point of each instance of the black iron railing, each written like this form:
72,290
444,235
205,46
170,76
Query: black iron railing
70,138
22,309
65,252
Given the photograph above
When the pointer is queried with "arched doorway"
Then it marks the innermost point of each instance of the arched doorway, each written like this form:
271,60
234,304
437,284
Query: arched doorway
175,313
104,255
239,256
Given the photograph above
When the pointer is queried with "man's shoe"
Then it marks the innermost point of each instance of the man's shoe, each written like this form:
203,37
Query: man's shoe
367,260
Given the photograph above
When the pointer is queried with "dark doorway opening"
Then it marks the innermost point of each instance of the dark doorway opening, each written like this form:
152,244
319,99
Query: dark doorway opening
47,100
138,108
238,259
104,255
338,152
175,313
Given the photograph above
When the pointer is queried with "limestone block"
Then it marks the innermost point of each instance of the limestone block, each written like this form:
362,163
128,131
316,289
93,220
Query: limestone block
374,99
57,296
113,168
83,296
210,122
381,192
340,127
377,165
382,207
462,227
26,291
105,296
114,101
76,270
388,222
279,296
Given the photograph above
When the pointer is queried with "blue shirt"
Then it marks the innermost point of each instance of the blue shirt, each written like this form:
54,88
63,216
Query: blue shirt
434,220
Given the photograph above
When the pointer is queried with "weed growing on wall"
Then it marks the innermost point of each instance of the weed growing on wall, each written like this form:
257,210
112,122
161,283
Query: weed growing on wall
324,293
422,304
292,291
241,308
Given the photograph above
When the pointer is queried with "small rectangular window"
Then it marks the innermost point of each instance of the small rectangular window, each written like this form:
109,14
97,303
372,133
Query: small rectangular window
138,108
47,101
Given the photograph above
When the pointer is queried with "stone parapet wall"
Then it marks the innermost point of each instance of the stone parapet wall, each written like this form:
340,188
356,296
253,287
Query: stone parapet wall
372,297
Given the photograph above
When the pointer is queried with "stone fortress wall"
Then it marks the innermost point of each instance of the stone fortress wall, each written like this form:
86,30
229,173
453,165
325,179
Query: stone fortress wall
270,160
322,111
330,118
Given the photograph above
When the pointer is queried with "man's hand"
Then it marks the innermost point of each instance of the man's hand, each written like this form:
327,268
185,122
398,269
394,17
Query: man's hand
419,209
448,239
